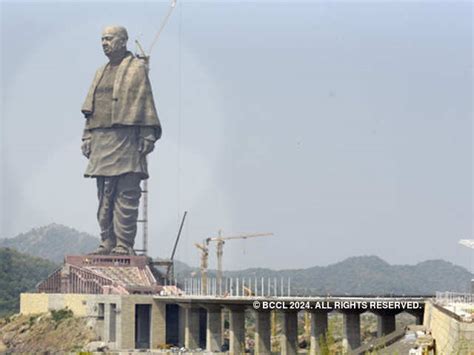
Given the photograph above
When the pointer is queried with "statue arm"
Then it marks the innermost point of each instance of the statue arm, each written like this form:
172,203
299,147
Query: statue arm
147,139
86,134
86,143
148,133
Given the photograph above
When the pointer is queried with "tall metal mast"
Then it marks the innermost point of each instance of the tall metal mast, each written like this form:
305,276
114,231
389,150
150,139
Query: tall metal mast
145,216
146,58
144,219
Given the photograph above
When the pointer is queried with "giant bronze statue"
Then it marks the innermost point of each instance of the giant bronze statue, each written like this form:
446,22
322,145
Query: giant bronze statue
121,129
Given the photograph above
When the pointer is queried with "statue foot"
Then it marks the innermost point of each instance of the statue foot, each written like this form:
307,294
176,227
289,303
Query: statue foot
122,250
101,250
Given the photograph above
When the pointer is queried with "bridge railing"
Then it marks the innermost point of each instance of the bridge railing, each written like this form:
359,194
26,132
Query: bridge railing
446,298
238,286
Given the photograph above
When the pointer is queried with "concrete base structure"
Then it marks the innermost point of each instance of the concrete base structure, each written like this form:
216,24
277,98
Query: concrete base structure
351,330
385,323
418,314
214,328
263,343
289,333
191,326
319,327
452,334
236,330
126,322
115,316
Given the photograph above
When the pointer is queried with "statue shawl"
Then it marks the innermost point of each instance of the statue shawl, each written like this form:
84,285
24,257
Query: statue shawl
132,98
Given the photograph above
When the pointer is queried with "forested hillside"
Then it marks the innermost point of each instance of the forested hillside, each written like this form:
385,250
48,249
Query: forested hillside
19,273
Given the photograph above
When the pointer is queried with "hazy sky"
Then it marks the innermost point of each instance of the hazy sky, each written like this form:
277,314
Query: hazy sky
345,128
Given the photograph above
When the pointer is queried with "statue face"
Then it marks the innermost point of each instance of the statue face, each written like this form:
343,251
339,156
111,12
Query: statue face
112,42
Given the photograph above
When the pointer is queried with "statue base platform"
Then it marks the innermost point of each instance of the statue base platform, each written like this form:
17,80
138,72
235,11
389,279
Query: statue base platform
103,274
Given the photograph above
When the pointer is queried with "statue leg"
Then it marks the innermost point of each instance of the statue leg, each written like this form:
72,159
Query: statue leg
127,201
106,190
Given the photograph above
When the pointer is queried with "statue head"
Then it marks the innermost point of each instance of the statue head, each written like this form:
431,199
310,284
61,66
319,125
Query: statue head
114,40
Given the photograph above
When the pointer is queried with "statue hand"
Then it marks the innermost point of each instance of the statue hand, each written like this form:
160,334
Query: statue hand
86,148
145,146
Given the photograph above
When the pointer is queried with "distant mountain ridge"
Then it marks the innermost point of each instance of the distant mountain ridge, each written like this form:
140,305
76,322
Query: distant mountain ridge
369,275
52,242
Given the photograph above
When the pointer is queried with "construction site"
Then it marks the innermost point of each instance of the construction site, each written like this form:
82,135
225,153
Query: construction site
136,303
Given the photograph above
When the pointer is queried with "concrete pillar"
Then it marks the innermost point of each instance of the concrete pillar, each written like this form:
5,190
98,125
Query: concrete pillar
126,332
351,330
263,334
158,324
319,327
213,328
106,322
191,326
181,325
419,318
225,317
289,333
418,314
236,330
385,324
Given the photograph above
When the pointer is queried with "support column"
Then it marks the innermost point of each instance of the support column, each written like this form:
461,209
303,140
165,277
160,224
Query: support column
236,330
263,344
106,322
385,323
158,324
126,335
419,318
418,314
289,333
351,330
181,325
191,326
319,327
213,328
225,320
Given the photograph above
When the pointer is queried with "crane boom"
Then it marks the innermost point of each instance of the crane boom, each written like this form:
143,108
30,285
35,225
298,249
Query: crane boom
220,250
242,236
220,241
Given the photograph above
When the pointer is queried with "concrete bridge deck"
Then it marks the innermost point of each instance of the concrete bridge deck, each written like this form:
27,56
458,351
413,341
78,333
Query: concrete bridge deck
386,308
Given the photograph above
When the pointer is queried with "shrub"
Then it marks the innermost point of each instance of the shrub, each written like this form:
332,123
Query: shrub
61,314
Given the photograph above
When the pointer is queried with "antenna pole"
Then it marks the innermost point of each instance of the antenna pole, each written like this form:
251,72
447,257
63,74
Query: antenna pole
145,217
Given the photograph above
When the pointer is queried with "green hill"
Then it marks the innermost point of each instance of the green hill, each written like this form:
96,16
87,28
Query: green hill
19,273
52,242
362,275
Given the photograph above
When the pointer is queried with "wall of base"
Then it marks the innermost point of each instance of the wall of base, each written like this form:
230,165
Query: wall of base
117,322
452,336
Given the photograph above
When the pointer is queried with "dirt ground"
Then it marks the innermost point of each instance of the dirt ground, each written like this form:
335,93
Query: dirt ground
45,332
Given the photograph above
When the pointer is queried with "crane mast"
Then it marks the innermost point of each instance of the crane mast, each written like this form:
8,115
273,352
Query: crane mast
220,241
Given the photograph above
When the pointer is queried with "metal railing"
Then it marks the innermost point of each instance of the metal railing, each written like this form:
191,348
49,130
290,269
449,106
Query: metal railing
239,287
446,298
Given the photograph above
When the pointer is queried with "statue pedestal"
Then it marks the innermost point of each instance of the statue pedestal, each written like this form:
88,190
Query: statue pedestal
103,274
